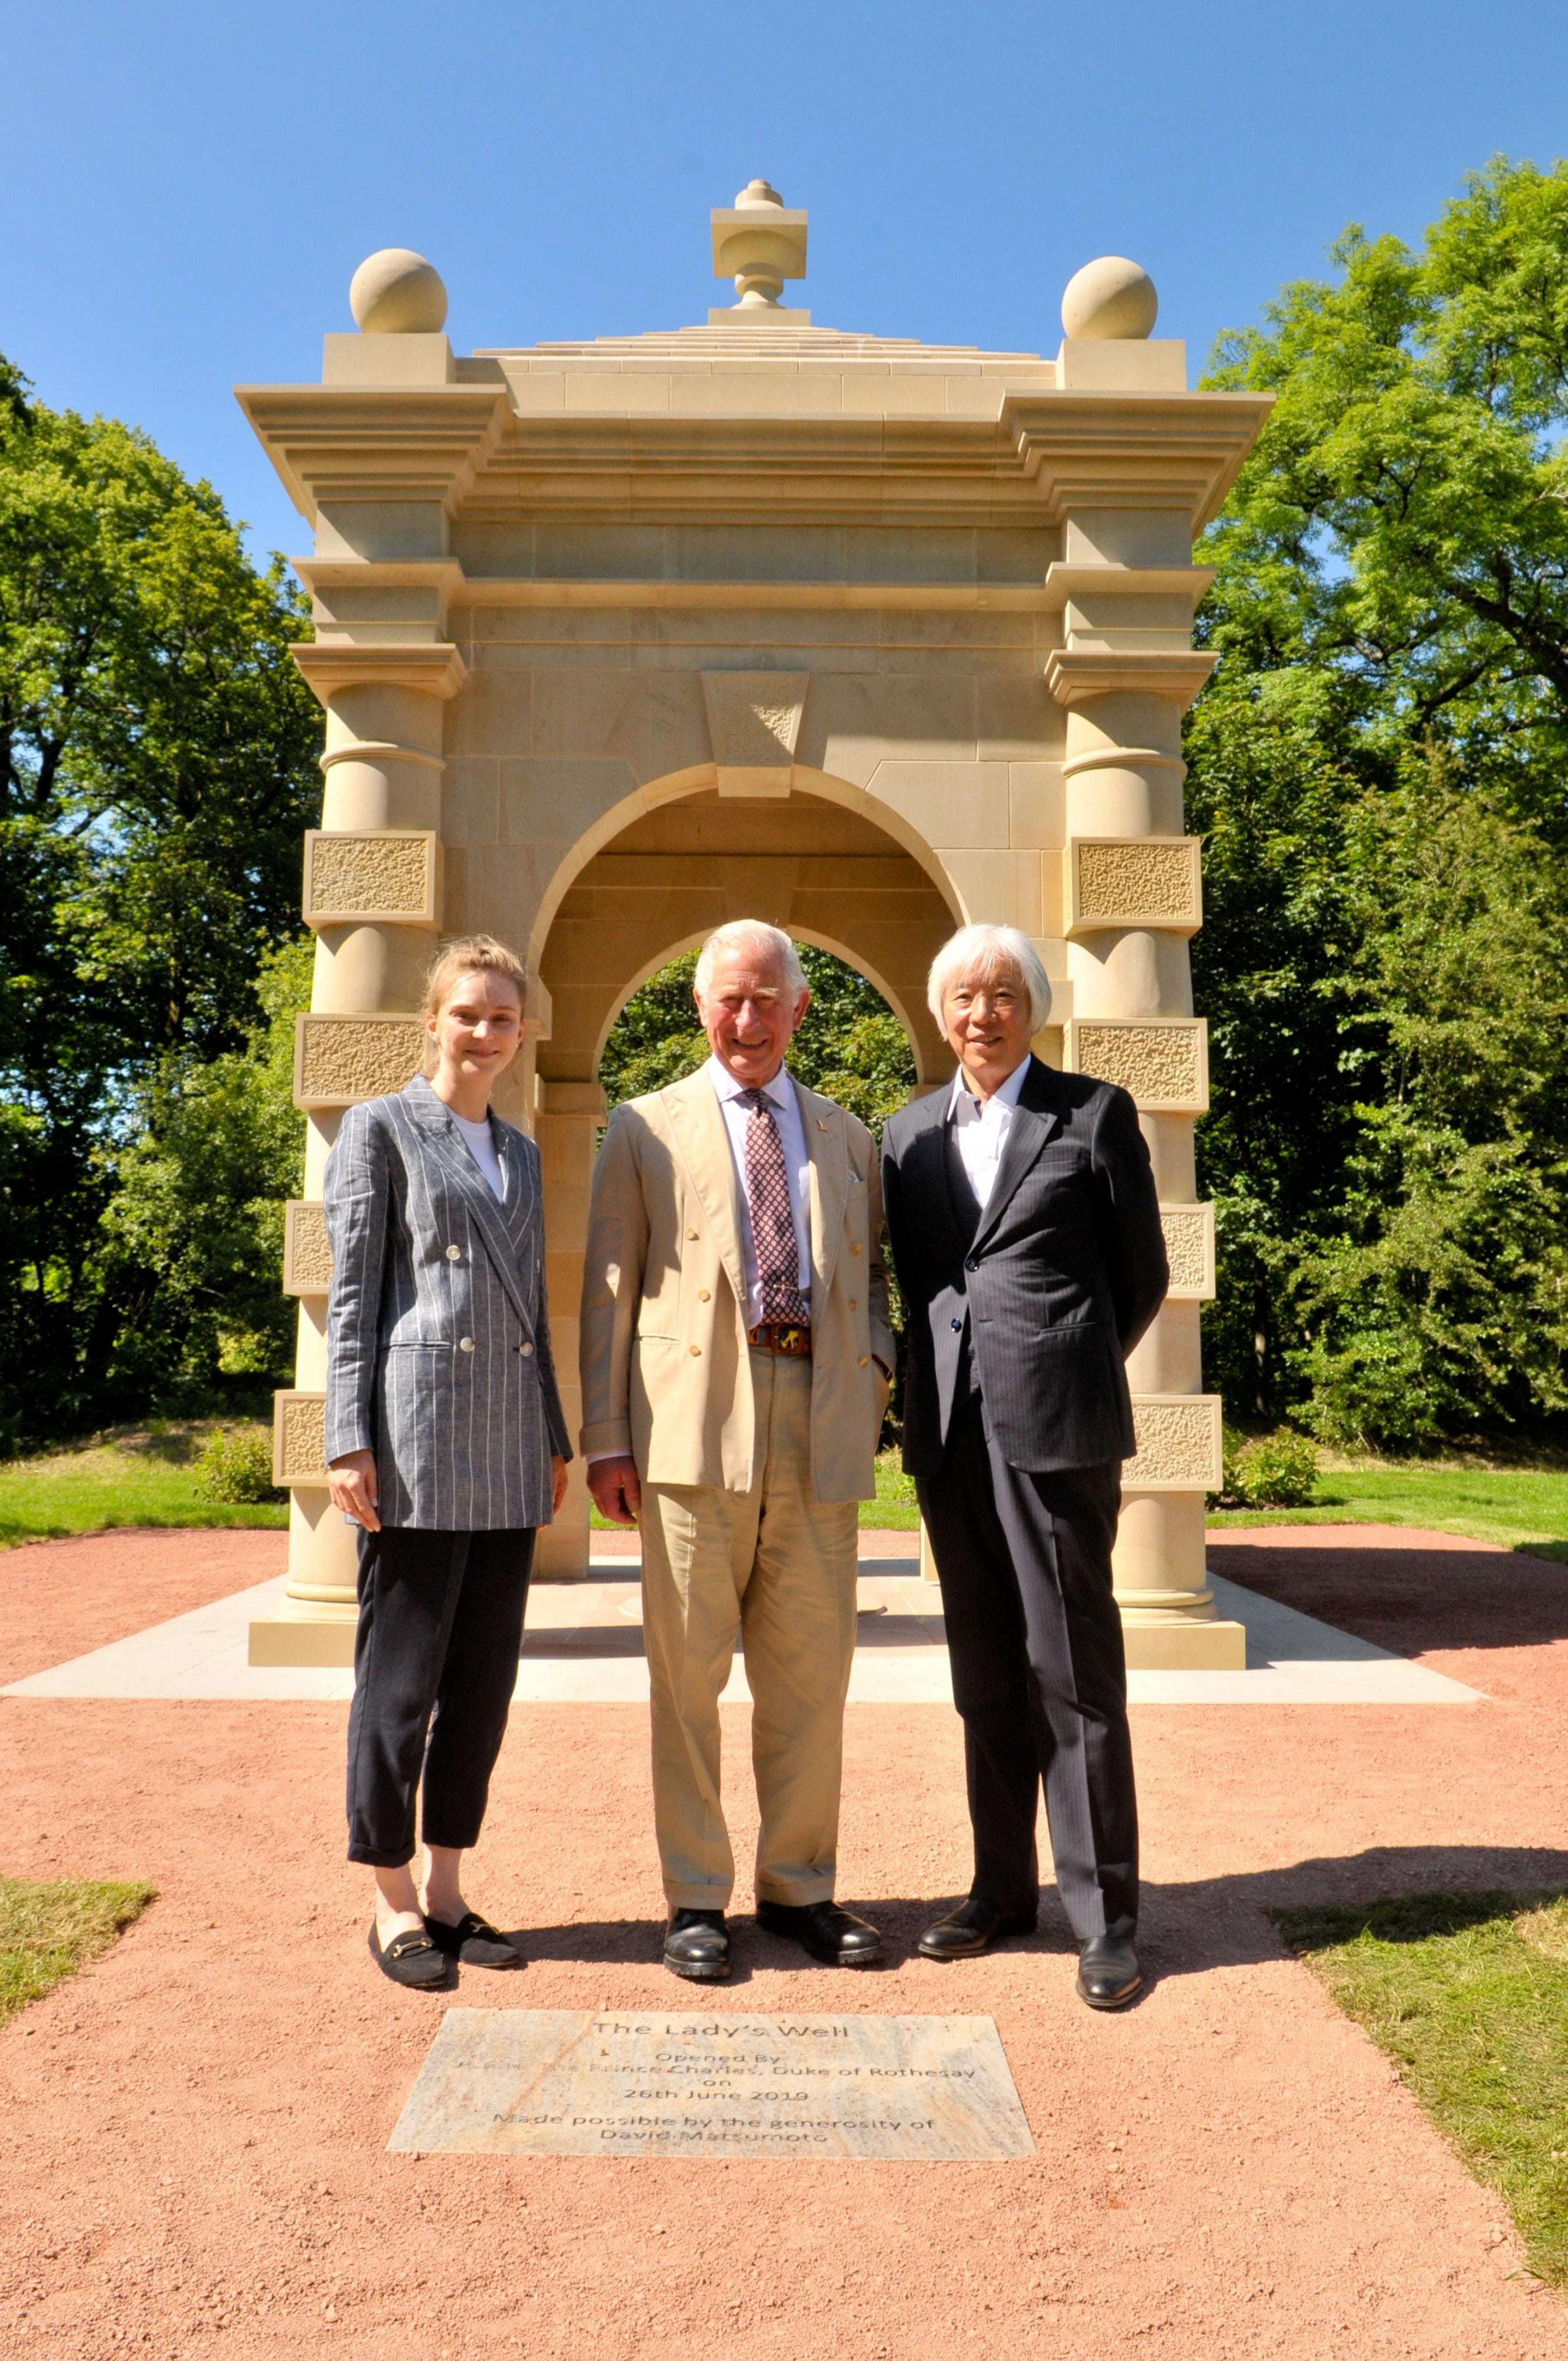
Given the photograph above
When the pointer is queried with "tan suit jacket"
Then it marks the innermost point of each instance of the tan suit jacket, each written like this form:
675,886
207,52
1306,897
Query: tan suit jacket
666,1373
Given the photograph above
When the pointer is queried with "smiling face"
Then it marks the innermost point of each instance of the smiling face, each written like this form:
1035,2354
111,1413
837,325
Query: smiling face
749,1012
987,1015
476,1032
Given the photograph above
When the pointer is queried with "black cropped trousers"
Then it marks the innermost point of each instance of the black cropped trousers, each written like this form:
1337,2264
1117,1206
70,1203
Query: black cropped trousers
1039,1673
434,1665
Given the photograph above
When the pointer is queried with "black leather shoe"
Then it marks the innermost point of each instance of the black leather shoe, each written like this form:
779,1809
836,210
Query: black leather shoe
475,1941
696,1946
1109,1975
414,1960
833,1936
973,1927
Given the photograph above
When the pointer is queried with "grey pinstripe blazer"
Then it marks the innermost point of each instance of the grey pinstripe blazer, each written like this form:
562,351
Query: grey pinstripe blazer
438,1332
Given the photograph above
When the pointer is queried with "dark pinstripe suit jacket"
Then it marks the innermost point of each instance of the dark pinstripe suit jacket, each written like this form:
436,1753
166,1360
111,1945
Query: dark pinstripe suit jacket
438,1333
1052,1289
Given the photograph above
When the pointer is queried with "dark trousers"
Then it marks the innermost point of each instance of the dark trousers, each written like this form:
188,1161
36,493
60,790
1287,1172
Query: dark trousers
1039,1674
435,1666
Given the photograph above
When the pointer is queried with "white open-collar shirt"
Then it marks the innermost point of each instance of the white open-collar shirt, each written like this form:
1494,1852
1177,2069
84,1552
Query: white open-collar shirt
981,1127
785,1101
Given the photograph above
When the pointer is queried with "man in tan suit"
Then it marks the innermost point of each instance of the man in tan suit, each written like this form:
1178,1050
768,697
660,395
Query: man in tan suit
735,1358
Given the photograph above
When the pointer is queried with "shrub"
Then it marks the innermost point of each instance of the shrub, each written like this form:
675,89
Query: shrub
1280,1471
235,1464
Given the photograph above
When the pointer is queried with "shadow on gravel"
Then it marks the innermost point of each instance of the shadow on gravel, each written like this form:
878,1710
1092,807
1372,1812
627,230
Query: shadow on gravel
1411,1601
1223,1922
1186,1930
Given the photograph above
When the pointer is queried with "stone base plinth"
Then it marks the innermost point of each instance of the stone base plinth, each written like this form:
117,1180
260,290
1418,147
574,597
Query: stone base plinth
319,1639
1177,1647
562,1550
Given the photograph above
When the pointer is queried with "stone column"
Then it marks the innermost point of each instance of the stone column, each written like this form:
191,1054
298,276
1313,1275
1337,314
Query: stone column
567,1127
372,895
1125,676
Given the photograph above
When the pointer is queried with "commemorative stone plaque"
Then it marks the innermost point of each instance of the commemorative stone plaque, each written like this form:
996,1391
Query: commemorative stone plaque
640,2082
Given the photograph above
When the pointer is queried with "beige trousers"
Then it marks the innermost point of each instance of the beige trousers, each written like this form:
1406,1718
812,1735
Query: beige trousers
782,1568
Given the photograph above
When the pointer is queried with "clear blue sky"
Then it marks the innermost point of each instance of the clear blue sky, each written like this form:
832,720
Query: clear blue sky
189,187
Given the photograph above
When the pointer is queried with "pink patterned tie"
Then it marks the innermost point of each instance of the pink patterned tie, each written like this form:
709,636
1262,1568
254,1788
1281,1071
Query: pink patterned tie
772,1222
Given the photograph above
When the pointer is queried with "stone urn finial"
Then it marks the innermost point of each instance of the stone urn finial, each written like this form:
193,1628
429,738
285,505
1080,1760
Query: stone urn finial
760,243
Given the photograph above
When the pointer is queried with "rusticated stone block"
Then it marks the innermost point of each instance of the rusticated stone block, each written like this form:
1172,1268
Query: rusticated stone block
338,1061
390,877
1147,881
307,1256
1179,1447
298,1438
1190,1249
1162,1060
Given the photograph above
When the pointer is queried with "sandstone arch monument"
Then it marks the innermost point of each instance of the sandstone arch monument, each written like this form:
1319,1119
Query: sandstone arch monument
619,639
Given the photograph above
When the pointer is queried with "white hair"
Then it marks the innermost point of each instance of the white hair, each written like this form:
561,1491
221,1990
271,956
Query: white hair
980,952
749,934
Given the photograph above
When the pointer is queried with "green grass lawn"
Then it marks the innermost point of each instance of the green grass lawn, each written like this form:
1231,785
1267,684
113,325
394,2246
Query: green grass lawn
1468,1995
47,1932
1521,1508
145,1475
137,1476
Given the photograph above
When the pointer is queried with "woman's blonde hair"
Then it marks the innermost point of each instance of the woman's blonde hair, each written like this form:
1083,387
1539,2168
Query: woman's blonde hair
472,955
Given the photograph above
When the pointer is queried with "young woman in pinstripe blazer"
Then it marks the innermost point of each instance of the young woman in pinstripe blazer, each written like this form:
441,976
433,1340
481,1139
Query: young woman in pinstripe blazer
445,1445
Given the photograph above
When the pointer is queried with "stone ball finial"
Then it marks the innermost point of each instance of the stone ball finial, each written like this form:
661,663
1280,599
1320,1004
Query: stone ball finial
398,294
1109,298
758,192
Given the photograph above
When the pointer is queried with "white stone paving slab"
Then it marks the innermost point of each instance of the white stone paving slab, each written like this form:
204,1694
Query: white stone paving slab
691,2083
583,1645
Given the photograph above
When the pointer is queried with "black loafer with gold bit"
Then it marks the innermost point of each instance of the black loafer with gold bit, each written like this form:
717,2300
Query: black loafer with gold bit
475,1941
411,1959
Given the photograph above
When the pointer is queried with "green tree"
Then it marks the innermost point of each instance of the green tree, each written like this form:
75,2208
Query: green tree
1378,768
1438,1298
157,765
1402,526
193,1233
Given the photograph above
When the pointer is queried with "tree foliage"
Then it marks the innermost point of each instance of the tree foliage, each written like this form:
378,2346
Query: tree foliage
193,1234
156,765
1378,768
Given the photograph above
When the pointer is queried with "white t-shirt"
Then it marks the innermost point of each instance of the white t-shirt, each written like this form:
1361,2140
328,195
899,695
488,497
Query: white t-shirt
481,1145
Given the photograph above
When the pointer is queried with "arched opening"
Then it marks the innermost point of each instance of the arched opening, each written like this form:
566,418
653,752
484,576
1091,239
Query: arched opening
827,874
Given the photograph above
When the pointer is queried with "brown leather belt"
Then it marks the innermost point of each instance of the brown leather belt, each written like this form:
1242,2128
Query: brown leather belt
782,1337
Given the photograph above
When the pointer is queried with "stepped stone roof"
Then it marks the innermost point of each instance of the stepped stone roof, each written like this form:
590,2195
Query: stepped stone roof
776,343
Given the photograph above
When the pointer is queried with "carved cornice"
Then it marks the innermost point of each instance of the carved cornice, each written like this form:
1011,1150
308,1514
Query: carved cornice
1180,451
1074,675
433,666
1041,454
349,442
1046,455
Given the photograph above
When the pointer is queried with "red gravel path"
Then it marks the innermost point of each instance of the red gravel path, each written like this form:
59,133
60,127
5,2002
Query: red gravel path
195,2131
57,1600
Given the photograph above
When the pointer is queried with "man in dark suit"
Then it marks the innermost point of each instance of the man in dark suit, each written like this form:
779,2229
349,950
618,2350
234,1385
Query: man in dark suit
1025,1229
